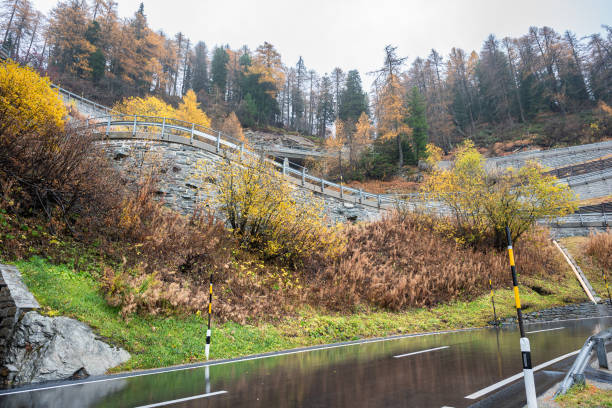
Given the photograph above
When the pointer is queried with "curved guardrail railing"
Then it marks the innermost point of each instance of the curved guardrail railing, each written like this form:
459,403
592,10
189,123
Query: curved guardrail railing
119,126
115,125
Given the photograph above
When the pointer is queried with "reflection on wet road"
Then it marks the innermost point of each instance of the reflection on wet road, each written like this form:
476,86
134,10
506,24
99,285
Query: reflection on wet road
425,371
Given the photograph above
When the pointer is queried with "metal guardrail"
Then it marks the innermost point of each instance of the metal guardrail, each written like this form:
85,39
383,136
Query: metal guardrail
83,100
120,126
576,372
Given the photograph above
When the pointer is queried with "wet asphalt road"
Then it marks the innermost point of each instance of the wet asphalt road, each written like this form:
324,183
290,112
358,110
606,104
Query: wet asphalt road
422,371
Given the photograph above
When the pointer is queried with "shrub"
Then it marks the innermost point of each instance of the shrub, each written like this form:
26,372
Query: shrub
27,103
188,110
483,203
599,246
402,262
267,214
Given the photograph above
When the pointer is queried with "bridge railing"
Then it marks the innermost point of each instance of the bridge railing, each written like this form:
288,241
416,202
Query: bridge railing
178,131
77,98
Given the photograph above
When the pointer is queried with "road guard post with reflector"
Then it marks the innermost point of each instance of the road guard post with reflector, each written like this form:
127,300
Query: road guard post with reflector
532,401
210,297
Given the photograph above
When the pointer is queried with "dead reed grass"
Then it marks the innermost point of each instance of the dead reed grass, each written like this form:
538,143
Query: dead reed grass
599,246
402,262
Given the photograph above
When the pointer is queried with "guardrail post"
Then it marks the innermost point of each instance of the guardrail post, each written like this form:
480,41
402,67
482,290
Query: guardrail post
378,196
360,196
602,356
303,176
341,191
134,128
285,164
322,185
163,128
191,135
218,141
108,126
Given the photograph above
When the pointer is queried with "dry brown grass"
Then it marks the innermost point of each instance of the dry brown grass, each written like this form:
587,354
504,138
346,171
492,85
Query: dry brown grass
599,246
398,263
395,185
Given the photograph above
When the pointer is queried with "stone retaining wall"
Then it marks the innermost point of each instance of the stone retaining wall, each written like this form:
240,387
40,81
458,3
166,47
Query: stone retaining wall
180,188
577,311
15,301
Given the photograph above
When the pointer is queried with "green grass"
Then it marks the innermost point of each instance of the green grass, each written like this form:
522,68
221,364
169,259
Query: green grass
157,341
587,396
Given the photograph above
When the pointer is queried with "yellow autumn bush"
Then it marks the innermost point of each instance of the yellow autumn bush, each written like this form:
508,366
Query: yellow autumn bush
483,203
267,214
188,110
27,102
149,106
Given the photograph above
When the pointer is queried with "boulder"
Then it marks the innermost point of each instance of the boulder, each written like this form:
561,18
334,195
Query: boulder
56,348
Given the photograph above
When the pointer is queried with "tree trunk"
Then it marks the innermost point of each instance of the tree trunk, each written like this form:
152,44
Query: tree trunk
400,161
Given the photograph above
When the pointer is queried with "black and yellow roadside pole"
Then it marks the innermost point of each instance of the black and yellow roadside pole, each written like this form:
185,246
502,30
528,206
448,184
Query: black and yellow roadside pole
493,300
530,390
210,298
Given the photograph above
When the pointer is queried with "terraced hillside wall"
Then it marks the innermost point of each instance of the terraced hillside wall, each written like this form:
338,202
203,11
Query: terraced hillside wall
180,188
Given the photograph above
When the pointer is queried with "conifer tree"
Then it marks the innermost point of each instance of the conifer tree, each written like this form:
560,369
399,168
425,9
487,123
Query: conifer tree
418,123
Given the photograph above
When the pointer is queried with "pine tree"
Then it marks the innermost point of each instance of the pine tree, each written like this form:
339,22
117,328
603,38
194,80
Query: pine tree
218,70
418,123
325,108
200,68
353,100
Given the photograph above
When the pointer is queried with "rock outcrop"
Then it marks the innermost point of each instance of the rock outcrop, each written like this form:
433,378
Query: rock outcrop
56,348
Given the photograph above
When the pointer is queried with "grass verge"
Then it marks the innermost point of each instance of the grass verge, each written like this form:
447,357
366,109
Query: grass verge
587,396
157,341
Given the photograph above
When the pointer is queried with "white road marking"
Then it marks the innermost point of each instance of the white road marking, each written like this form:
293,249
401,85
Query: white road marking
176,401
515,377
420,352
123,377
237,360
545,330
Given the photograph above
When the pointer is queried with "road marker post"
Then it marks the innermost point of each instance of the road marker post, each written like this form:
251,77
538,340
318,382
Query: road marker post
603,272
493,300
532,401
208,332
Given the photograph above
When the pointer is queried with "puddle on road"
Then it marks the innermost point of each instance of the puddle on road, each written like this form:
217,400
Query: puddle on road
365,375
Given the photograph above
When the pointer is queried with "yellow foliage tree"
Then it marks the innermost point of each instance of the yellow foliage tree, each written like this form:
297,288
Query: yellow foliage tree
484,203
231,127
268,65
362,136
335,144
434,155
266,213
27,102
393,112
189,110
149,106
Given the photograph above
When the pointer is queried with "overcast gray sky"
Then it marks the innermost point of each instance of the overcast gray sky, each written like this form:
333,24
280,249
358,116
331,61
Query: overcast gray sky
352,33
